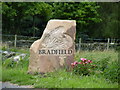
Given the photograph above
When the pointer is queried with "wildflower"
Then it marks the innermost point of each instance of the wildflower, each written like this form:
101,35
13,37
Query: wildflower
72,64
83,67
75,63
89,61
83,59
86,62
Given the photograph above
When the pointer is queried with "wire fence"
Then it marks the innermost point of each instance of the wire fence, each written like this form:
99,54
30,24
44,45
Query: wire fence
97,44
18,41
82,45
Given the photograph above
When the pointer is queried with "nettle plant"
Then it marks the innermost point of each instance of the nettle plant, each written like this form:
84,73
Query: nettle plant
83,67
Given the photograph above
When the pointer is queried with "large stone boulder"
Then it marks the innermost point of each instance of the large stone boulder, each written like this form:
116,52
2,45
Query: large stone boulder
55,49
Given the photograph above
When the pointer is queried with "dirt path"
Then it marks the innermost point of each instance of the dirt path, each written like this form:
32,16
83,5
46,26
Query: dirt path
10,85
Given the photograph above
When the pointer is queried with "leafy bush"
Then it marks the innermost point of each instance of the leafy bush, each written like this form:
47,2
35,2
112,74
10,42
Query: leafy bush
102,63
109,69
83,67
102,67
112,72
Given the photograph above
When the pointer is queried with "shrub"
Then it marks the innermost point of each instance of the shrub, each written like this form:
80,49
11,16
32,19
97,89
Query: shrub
83,67
109,69
112,72
102,63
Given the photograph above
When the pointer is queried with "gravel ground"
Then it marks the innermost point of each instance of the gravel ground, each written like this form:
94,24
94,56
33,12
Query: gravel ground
10,85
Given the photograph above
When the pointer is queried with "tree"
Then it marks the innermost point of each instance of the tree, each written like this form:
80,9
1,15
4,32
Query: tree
85,14
16,14
94,20
110,14
41,10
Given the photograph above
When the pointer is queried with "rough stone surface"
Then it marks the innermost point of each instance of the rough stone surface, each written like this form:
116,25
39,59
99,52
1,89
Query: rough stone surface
55,49
17,58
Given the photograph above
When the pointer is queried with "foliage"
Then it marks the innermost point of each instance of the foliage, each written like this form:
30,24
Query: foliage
109,69
102,63
30,18
3,48
83,67
106,64
0,67
82,12
9,63
112,72
85,14
110,16
13,49
58,79
17,73
24,17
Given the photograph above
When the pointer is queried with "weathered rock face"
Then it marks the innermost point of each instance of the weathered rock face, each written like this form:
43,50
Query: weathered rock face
55,49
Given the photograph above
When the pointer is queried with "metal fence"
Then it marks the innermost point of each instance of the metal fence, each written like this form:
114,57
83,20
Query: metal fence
86,45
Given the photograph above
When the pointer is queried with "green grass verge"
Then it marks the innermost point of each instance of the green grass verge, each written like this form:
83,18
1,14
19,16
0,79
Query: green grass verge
59,79
0,69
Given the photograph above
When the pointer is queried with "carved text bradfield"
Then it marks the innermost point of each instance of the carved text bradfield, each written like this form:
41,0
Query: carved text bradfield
55,52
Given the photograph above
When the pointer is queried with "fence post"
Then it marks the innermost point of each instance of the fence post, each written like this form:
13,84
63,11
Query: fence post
79,48
15,41
108,43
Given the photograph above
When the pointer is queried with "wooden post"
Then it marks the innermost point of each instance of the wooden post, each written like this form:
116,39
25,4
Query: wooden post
15,41
79,48
108,43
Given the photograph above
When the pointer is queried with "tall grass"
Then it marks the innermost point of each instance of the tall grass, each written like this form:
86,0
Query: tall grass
0,68
106,61
98,55
17,73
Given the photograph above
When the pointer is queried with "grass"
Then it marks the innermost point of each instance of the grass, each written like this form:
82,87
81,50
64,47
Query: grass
0,69
98,55
61,78
13,49
58,79
17,76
